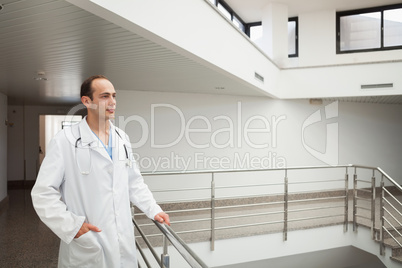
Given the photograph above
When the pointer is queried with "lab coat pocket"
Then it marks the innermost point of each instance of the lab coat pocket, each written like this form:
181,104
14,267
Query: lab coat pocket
85,251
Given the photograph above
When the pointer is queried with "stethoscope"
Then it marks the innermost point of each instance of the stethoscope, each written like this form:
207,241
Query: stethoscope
84,159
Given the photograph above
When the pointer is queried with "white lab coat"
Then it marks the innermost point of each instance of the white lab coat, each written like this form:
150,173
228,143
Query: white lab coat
64,198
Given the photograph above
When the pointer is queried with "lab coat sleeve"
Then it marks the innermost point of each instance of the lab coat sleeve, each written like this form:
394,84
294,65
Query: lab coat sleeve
140,195
46,197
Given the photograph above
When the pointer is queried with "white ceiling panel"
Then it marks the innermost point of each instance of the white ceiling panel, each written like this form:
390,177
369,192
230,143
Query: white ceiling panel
69,44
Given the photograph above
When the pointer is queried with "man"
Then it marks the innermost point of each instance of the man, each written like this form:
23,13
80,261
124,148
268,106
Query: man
85,185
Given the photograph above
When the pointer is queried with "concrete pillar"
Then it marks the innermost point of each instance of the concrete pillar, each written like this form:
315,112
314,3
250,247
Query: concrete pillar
275,32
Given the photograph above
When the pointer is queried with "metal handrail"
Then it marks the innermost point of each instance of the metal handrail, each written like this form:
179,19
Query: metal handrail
184,250
148,244
217,171
286,202
383,217
394,183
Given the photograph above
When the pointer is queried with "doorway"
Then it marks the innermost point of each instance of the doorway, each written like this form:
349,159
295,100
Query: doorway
49,125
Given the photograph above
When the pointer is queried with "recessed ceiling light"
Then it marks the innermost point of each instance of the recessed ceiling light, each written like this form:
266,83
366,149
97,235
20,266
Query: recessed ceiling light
40,76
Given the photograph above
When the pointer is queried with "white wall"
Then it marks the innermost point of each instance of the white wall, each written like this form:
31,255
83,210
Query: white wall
367,134
15,154
3,146
24,139
340,81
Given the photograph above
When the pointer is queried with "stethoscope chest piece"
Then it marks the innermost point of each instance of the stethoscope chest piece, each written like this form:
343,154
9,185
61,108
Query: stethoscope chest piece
129,163
83,158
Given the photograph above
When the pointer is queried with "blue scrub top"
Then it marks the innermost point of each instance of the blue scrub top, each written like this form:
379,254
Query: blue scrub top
109,147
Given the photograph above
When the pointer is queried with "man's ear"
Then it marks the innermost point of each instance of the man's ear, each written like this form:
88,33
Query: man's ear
86,101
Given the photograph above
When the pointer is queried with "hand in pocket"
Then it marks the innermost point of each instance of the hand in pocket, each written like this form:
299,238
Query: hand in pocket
86,227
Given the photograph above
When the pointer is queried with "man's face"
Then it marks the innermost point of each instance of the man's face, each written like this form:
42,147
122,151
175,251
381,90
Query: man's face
103,103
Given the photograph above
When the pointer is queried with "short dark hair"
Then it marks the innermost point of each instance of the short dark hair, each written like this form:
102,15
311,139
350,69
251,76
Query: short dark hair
86,87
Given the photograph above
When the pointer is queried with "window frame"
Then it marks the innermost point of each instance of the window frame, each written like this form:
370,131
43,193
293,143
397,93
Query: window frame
295,19
296,54
380,9
248,26
232,14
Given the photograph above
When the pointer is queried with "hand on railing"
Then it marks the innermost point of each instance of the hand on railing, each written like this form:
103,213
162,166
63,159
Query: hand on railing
162,217
185,251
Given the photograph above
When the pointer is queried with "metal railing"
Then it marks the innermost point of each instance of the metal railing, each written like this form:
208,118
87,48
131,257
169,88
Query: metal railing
386,225
390,213
168,235
281,200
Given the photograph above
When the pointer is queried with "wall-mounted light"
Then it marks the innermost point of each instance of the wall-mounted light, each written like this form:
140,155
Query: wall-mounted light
315,101
9,124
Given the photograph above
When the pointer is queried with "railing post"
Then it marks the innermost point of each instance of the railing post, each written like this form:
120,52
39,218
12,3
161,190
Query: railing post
165,259
382,247
373,206
213,212
346,218
286,204
354,201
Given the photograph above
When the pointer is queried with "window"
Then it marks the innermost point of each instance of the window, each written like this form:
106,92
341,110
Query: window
224,11
65,124
238,22
371,29
393,27
230,14
293,42
254,31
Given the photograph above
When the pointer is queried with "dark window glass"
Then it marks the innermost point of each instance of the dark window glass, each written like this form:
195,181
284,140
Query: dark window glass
238,23
362,31
293,42
224,11
371,29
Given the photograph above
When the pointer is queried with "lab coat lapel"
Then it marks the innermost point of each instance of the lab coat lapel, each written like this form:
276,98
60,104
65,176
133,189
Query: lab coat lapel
118,151
89,138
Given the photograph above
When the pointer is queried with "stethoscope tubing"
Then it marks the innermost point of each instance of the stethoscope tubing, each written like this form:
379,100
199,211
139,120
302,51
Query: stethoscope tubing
90,162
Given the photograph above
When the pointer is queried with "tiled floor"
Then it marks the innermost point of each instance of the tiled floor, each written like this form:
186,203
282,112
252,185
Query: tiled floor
24,240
